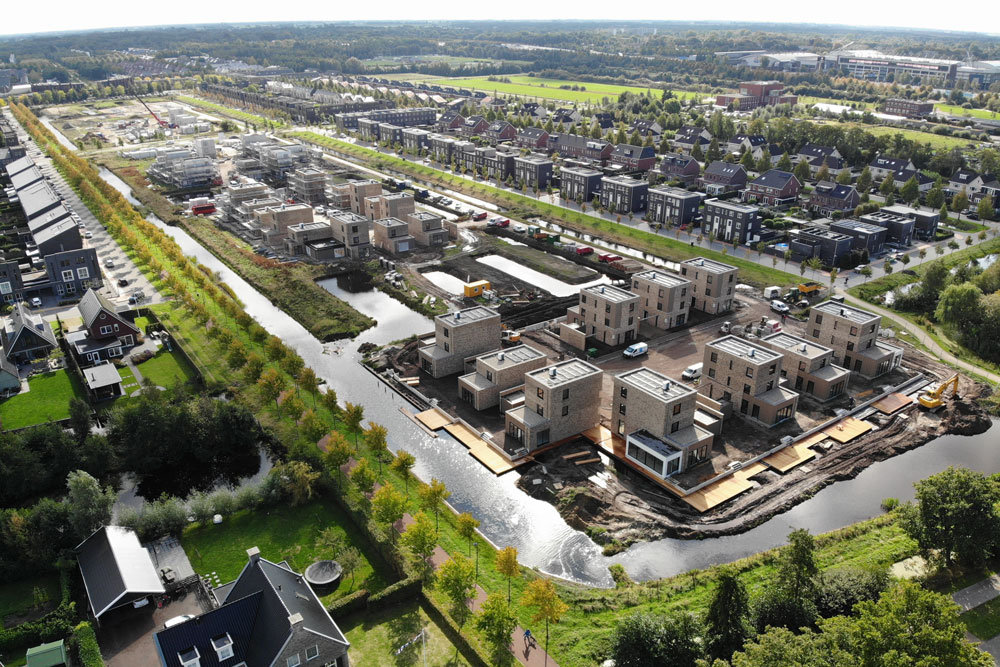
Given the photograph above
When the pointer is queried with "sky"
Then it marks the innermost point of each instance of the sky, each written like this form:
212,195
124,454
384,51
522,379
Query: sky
80,15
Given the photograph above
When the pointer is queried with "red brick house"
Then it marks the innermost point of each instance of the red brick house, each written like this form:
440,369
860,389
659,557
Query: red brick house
773,188
105,335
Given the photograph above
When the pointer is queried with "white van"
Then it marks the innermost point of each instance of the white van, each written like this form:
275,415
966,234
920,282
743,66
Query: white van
692,372
636,350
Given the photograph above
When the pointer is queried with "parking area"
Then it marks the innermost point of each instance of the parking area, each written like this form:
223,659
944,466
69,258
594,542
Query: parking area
126,635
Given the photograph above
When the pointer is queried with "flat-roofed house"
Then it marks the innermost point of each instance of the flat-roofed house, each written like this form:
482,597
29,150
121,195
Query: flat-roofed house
458,336
749,377
664,298
607,314
496,373
560,401
808,366
852,333
714,283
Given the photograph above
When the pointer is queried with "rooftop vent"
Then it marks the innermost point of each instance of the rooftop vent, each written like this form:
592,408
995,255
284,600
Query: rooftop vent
666,386
552,372
753,353
602,289
458,314
295,619
804,347
499,356
843,312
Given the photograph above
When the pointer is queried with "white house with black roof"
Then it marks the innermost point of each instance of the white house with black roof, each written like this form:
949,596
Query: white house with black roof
883,166
689,136
117,570
27,337
268,616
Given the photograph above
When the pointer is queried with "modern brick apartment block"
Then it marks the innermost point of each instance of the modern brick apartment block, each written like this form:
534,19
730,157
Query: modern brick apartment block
714,283
623,195
534,170
360,191
560,401
458,336
352,230
392,235
672,206
274,221
809,366
308,185
580,183
731,221
396,205
749,377
664,298
496,372
852,333
427,229
607,314
655,415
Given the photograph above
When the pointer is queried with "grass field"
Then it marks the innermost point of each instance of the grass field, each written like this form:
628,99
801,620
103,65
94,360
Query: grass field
281,533
18,597
167,368
984,620
810,100
529,86
375,637
935,140
959,111
242,116
48,400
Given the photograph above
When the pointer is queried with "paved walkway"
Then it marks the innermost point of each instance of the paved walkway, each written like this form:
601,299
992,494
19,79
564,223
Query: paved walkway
971,597
922,336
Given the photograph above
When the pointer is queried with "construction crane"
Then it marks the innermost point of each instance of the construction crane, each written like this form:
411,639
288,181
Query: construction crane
932,399
159,121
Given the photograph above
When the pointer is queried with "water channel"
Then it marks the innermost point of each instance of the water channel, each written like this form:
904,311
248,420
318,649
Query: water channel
510,517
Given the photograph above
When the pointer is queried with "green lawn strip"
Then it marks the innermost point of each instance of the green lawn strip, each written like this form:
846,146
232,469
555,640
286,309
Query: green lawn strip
659,245
17,597
375,636
959,111
291,287
935,140
810,100
47,400
984,620
281,533
167,368
234,114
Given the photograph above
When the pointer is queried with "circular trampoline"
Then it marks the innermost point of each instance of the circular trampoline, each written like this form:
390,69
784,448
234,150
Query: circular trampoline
323,573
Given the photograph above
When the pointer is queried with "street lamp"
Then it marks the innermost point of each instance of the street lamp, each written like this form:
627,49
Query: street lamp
475,543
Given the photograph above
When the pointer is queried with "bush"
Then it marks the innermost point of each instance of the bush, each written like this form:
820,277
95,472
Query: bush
57,624
839,590
87,649
349,604
889,504
404,589
620,576
774,609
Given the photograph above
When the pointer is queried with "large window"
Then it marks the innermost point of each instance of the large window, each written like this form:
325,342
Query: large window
639,455
67,276
83,273
293,660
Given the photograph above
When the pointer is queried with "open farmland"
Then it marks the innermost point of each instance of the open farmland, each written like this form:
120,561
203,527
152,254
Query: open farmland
529,86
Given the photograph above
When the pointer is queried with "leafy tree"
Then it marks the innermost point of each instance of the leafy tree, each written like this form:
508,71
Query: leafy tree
764,163
237,354
308,381
935,197
88,505
797,565
910,191
292,363
823,173
353,416
297,479
375,438
311,426
338,452
79,419
467,525
497,622
943,213
329,400
727,625
432,497
363,477
457,578
713,153
650,640
350,560
747,161
274,348
419,540
959,304
785,163
888,186
801,171
506,564
388,507
838,591
960,202
270,384
253,367
403,465
844,177
985,208
330,542
955,515
541,594
780,647
865,180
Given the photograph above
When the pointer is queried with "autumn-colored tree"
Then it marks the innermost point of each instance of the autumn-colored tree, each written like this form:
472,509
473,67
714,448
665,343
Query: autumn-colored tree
403,465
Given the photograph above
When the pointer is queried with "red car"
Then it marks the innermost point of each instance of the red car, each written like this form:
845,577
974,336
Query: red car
585,250
503,223
480,216
608,257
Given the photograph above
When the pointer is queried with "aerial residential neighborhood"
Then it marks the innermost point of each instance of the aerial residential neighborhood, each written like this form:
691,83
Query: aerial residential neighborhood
480,342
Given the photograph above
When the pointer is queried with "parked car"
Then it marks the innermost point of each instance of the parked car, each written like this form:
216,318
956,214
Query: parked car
520,229
860,268
726,327
36,302
480,216
692,372
88,235
608,257
585,250
123,282
779,306
177,620
110,263
636,350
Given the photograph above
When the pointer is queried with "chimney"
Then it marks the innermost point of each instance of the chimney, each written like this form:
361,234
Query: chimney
295,619
254,554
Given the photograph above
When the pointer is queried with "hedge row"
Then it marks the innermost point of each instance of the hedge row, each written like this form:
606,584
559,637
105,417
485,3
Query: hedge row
454,633
57,624
349,604
404,589
87,648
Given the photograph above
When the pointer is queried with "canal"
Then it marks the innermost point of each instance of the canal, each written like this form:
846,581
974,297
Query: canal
510,517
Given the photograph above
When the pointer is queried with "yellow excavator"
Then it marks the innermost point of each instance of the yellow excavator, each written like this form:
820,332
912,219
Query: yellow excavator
932,399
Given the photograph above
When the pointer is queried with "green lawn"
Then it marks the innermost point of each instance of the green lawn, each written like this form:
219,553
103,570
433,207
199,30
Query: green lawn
18,597
530,86
260,121
935,140
48,400
375,637
984,620
282,533
166,369
809,100
959,111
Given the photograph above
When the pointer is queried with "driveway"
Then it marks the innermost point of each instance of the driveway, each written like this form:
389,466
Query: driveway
127,639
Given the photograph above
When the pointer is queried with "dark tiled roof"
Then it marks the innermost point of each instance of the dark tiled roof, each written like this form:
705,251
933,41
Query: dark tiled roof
21,318
91,305
633,152
815,150
531,132
675,161
890,163
963,176
834,190
906,174
237,619
726,170
688,134
753,139
775,178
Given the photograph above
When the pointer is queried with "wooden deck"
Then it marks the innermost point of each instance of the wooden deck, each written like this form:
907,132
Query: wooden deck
848,429
791,457
481,450
892,403
434,418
